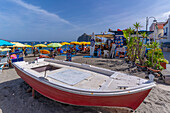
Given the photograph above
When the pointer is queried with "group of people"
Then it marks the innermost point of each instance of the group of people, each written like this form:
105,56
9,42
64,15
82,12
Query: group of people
109,51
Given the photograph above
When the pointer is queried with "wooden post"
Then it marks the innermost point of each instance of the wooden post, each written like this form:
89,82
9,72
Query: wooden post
33,93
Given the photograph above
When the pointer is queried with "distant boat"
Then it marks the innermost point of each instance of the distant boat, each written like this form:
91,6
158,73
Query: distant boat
82,84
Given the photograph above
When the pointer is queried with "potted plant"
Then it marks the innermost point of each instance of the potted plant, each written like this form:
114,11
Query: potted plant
154,55
163,62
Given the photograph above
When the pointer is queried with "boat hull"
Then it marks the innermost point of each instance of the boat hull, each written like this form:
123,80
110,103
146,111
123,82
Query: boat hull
130,100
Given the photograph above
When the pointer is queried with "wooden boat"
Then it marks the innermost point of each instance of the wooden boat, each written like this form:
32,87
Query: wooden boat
82,84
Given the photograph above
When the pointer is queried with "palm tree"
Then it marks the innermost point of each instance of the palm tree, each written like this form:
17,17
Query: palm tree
130,31
127,34
140,48
137,27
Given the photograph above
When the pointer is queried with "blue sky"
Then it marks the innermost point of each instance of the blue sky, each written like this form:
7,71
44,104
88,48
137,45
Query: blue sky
66,20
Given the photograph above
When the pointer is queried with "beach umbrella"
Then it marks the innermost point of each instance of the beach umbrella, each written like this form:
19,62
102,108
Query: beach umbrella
17,44
88,43
48,44
65,43
83,43
44,51
4,49
5,43
54,45
40,45
74,42
28,45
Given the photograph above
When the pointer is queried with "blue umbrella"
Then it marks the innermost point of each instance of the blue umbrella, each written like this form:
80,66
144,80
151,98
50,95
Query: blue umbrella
5,43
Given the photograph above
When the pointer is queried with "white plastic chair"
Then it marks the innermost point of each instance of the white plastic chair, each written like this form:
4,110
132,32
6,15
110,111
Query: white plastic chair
4,61
106,53
1,68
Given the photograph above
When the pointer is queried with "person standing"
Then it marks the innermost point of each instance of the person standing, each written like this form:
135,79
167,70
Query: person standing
33,51
112,53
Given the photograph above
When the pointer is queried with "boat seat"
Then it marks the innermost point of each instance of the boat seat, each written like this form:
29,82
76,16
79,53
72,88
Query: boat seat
106,84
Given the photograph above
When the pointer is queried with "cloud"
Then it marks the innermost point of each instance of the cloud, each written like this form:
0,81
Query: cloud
41,11
164,16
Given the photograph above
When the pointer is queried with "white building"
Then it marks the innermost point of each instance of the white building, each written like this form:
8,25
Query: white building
166,37
166,28
157,32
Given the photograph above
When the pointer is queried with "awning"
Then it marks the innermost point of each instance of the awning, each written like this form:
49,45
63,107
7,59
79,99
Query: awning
104,35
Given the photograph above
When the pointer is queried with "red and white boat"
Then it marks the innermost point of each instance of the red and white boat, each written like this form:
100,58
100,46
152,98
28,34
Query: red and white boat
82,84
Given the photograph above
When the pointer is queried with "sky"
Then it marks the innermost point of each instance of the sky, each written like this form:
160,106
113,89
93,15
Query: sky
66,20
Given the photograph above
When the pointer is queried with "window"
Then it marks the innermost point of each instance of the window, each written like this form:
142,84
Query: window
165,31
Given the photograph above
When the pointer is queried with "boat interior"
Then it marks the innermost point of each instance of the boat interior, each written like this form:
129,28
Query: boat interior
80,76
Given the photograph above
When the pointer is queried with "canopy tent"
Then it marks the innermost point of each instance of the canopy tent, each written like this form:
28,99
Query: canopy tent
17,44
54,45
74,42
5,43
40,45
65,43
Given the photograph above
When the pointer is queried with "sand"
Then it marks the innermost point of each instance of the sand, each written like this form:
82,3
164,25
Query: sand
16,98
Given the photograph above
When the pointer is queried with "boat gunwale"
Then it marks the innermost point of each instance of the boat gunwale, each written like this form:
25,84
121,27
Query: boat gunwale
82,91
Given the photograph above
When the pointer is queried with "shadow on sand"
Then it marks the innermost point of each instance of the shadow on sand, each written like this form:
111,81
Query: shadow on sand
14,98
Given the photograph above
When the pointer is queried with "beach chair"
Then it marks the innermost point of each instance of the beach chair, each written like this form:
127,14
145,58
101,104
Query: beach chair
1,68
3,63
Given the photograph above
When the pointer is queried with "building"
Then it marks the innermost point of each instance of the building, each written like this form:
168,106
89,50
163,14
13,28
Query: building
166,37
157,32
166,27
120,34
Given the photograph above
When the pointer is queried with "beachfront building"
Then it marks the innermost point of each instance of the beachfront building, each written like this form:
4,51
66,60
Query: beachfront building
119,33
158,31
166,29
166,36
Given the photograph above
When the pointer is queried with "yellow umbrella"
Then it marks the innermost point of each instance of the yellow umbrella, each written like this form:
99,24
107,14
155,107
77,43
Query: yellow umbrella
40,45
17,44
65,43
28,46
83,43
48,44
88,43
44,51
74,42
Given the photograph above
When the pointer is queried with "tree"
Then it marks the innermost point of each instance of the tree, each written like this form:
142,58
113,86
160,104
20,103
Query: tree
137,27
140,49
129,40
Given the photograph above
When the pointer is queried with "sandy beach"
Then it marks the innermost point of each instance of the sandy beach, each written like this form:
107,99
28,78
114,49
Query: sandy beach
15,96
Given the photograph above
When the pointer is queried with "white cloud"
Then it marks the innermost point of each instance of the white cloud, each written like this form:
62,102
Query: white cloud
164,16
41,11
